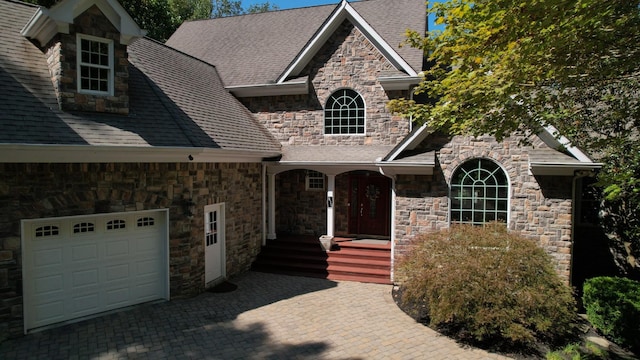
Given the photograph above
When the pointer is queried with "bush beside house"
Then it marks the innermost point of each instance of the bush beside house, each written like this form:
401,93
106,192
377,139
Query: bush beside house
487,286
613,308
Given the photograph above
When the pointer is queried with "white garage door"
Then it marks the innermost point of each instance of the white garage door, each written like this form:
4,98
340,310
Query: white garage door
84,265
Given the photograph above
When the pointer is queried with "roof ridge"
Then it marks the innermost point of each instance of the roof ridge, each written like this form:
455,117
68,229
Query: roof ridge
266,12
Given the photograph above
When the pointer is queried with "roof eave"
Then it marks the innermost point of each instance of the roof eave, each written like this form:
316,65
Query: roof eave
551,136
392,83
561,169
34,153
288,88
408,168
410,142
42,27
46,23
342,12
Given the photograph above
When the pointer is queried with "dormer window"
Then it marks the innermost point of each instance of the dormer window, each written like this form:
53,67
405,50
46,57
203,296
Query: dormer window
95,65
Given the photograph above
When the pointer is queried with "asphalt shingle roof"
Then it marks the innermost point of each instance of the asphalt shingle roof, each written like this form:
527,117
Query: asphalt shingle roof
175,100
257,48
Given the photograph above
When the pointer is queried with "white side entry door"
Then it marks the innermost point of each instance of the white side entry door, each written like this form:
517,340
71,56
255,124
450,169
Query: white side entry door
214,243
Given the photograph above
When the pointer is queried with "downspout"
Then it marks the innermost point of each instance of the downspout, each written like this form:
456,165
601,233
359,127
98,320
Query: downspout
264,204
392,230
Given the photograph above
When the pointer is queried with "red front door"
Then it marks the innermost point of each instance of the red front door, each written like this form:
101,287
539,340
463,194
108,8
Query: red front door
370,207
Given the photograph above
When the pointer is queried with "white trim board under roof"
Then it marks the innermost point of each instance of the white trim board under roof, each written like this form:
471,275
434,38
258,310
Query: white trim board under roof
344,11
46,23
27,153
554,162
293,87
541,161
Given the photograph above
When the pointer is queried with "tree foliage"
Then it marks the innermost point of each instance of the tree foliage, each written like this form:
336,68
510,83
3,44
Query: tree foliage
506,66
162,17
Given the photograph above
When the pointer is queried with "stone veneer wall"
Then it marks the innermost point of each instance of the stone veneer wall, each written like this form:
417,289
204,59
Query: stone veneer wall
299,211
540,207
54,190
347,60
61,53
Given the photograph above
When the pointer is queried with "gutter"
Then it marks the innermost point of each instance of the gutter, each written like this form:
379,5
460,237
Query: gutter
561,169
391,83
288,88
27,153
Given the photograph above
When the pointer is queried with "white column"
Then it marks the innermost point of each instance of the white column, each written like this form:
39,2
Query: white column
331,184
271,235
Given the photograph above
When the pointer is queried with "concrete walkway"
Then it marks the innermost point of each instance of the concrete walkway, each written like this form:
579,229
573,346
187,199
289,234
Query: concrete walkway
267,317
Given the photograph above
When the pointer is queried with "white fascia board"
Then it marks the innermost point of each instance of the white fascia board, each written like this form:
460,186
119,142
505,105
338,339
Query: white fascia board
550,133
28,153
561,169
397,168
329,168
388,51
409,143
40,27
342,12
288,88
315,43
399,82
48,22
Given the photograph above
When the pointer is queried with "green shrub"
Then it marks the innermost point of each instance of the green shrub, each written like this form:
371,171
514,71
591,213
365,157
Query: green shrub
485,284
613,307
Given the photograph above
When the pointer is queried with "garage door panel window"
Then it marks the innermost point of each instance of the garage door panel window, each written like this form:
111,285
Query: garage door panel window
116,224
83,227
146,221
48,230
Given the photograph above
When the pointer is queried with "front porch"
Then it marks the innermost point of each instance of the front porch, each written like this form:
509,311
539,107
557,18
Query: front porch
350,259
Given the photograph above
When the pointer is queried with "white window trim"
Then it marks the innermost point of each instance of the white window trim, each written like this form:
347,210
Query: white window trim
307,182
79,63
324,114
509,188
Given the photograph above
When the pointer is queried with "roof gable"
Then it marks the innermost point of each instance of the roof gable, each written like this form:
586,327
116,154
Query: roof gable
269,50
344,11
548,159
46,23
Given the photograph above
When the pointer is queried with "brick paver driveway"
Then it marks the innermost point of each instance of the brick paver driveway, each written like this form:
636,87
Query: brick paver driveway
267,317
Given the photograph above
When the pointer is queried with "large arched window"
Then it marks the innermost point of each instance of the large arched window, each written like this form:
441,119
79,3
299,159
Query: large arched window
479,193
344,113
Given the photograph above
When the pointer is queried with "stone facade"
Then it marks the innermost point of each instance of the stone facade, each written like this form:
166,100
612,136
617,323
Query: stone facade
302,211
347,60
540,207
61,54
31,191
299,211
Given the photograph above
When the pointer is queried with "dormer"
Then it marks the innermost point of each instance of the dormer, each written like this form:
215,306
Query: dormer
85,42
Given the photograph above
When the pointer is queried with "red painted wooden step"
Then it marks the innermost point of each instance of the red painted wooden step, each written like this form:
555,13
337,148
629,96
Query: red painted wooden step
349,261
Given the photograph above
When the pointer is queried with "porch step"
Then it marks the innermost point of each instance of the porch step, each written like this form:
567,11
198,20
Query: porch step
303,256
